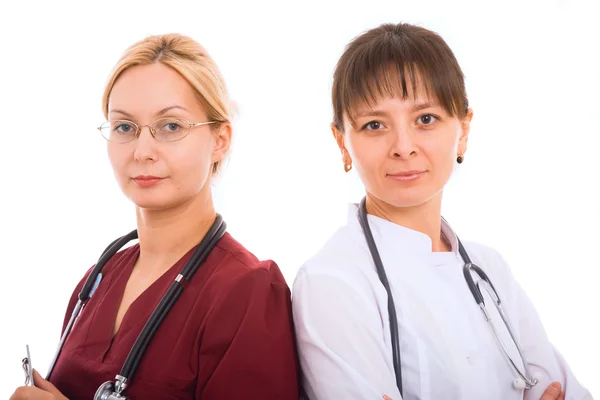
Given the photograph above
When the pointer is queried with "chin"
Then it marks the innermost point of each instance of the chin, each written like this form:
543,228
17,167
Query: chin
406,202
152,205
408,198
153,201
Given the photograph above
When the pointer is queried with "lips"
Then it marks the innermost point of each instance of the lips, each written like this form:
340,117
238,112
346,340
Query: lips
147,177
147,180
406,173
406,176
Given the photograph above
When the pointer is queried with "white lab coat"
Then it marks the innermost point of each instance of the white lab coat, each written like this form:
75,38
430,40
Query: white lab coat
447,348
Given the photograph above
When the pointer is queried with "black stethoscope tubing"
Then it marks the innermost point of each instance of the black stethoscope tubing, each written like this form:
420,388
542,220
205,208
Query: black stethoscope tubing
129,368
475,291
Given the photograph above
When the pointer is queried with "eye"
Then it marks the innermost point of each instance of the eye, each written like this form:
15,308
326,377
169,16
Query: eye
171,126
168,126
123,127
427,119
372,126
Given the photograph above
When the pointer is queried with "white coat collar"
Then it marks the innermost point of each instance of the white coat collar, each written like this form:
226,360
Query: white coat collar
397,239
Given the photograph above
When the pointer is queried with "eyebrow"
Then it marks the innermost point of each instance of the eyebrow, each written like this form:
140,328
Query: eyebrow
379,113
161,112
371,113
167,109
422,106
121,112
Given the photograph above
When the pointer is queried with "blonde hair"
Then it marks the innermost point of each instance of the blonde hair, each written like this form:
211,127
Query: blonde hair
188,58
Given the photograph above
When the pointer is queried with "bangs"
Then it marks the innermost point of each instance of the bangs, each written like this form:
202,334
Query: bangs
396,64
400,81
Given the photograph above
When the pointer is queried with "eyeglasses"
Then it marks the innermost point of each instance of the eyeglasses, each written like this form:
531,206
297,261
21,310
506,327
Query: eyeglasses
163,130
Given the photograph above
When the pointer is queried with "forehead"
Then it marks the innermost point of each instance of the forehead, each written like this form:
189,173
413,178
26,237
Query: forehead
405,91
149,88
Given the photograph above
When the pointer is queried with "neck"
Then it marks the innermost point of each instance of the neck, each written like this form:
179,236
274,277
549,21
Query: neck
167,235
425,218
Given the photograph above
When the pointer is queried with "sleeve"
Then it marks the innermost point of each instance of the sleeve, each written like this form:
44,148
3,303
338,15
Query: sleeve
248,343
341,342
544,360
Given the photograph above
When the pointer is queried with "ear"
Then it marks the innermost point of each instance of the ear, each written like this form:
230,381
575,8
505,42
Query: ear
465,127
339,138
222,142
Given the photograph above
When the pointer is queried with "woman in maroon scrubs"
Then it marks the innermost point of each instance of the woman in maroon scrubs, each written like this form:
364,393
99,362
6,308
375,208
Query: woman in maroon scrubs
229,335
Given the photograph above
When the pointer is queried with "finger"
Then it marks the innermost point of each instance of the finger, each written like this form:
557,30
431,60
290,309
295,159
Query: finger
562,396
552,392
386,397
44,384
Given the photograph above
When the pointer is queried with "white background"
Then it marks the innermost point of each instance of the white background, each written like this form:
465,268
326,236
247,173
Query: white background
529,185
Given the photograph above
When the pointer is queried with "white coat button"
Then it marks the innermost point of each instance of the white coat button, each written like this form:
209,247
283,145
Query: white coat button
519,384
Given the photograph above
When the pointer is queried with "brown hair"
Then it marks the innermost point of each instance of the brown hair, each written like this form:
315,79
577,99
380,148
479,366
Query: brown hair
375,64
191,61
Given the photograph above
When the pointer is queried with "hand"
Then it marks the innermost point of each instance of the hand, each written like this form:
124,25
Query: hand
553,392
43,390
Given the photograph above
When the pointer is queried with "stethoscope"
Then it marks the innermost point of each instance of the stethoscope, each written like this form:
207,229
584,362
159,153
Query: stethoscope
114,390
525,379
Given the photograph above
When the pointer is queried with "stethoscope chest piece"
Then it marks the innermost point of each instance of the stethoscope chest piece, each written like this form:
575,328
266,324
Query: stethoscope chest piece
107,392
113,390
523,380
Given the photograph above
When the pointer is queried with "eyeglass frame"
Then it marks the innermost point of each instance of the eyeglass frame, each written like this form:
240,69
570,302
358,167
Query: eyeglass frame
152,131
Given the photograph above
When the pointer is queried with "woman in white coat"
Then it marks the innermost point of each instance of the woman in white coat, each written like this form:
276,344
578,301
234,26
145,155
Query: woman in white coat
401,120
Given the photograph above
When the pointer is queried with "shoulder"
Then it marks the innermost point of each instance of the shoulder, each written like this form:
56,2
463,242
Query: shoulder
338,287
238,263
342,265
345,253
335,254
111,265
483,253
241,283
121,258
491,262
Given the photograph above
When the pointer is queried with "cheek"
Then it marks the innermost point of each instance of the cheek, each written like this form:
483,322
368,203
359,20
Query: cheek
191,163
368,154
118,157
371,163
444,157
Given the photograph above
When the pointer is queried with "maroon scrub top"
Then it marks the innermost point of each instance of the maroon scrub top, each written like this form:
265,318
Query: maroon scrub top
229,336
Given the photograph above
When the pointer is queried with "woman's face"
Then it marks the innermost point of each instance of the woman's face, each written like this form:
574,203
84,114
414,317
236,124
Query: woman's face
404,150
155,174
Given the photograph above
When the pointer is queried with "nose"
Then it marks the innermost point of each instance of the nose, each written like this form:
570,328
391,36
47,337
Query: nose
403,145
145,146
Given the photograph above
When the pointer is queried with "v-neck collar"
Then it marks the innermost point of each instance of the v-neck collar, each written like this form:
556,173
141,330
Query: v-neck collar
100,340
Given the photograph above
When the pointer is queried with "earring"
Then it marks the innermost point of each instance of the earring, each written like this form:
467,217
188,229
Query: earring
347,167
460,159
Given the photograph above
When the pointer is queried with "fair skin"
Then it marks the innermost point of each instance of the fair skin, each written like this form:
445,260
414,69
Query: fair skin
404,151
173,215
397,136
